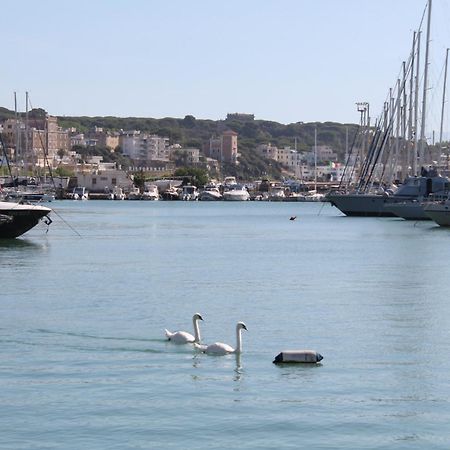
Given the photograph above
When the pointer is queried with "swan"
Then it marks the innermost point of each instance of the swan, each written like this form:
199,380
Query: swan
183,337
220,348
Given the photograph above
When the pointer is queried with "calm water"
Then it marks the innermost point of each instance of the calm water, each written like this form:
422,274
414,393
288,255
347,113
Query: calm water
84,363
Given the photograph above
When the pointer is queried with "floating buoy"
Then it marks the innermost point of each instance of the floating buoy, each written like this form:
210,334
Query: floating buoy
298,356
293,217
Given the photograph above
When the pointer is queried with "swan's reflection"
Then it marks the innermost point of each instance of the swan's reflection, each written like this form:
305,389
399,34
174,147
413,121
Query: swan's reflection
198,361
238,368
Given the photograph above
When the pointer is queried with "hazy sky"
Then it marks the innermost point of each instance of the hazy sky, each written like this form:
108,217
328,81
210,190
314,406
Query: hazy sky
283,60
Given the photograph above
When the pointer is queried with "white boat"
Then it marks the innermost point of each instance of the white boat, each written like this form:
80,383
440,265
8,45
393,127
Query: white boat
276,194
117,193
79,193
236,192
17,219
439,212
29,196
188,193
150,192
210,193
134,194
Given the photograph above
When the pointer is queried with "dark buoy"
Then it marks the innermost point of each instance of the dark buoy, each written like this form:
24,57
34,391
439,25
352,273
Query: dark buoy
298,356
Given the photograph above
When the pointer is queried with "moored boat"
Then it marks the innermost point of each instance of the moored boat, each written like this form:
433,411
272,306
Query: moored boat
17,219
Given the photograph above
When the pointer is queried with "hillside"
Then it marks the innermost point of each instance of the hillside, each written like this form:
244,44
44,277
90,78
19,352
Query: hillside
192,132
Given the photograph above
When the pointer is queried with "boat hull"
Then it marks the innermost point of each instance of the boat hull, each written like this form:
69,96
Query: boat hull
364,205
408,210
439,213
18,219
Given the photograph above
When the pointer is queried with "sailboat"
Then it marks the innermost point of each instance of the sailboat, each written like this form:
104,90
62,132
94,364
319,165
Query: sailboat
395,130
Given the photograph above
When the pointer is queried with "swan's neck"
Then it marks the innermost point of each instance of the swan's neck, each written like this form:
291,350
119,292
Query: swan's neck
238,340
196,331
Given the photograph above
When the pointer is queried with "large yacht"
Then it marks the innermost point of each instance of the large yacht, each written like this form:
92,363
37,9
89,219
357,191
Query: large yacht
387,204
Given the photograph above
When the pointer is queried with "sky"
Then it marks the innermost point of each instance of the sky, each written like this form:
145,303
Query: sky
282,60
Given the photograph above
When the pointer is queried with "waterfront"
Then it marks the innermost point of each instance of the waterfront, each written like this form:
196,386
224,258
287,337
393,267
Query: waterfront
85,364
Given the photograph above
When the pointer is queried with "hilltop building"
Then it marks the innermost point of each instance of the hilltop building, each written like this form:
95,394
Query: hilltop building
224,148
242,117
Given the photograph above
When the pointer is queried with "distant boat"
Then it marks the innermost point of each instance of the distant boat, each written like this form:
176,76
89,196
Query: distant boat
79,193
150,192
236,192
17,219
189,193
210,193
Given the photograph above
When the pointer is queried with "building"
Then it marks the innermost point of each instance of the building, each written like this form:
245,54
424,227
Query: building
144,147
103,177
242,117
229,147
189,156
36,141
213,148
224,148
268,151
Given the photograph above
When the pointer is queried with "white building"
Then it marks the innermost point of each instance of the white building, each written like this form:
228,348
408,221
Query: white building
191,155
104,178
144,147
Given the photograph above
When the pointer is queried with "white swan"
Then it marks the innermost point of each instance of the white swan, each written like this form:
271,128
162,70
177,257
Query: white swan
183,337
223,349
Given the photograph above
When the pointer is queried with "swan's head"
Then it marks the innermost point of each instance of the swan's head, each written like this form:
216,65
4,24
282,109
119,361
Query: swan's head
241,326
197,316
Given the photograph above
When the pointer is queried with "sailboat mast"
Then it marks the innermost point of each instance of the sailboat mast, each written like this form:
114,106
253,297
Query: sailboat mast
443,97
416,108
425,87
26,156
410,114
315,159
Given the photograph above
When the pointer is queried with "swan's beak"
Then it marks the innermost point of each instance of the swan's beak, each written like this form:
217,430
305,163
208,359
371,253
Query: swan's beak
244,327
200,317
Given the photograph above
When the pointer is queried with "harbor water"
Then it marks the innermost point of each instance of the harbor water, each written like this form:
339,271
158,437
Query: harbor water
84,363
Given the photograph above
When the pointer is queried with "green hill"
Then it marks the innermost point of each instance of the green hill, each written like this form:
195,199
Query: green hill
192,132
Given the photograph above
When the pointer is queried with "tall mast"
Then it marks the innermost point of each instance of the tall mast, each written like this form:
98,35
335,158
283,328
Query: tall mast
315,159
16,159
425,87
26,156
410,114
443,97
416,108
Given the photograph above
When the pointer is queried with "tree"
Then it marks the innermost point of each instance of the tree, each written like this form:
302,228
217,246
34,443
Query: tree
198,177
189,121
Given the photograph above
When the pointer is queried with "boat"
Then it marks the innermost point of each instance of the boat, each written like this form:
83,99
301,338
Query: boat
134,194
79,193
150,192
210,193
382,149
276,194
16,219
29,196
188,193
406,197
439,212
171,193
236,192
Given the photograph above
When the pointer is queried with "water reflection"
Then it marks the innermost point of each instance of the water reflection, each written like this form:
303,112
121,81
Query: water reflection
19,243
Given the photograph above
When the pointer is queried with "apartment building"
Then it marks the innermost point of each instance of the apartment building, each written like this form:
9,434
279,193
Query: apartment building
144,147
